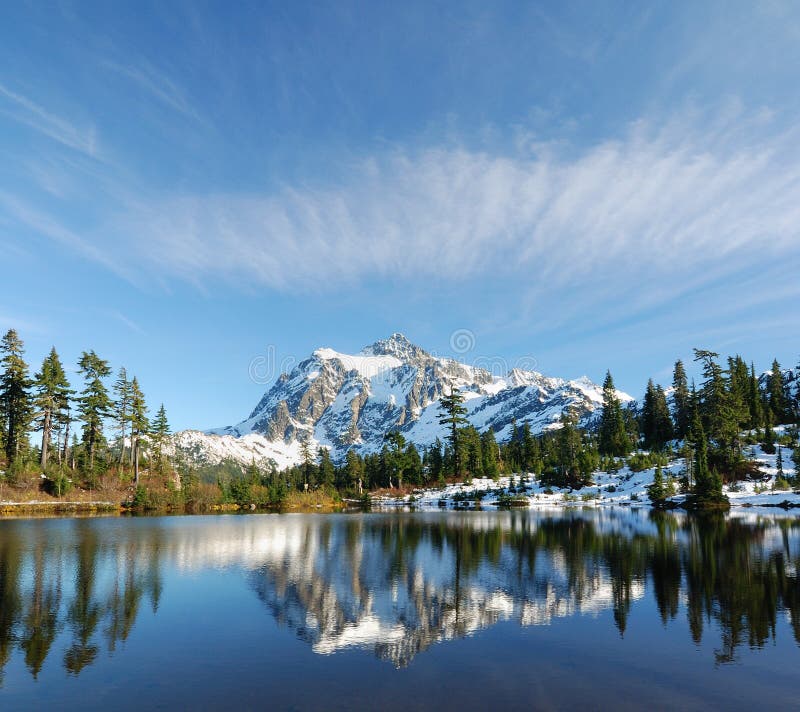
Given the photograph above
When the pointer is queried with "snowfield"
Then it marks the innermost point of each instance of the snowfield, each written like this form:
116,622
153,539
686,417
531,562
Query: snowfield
610,489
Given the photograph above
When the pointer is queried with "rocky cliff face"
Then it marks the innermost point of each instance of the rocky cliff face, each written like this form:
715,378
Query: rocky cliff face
345,401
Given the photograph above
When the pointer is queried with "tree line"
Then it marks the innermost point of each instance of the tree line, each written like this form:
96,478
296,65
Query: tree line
702,422
46,403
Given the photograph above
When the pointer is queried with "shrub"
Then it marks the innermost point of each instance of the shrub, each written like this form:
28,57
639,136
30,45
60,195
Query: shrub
140,497
57,484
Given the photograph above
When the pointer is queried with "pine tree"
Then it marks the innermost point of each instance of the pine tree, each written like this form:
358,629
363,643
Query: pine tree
436,461
307,464
452,415
140,425
681,404
15,399
491,455
614,440
768,446
528,448
94,404
707,483
160,428
52,395
656,491
702,476
777,398
122,408
779,462
354,467
327,472
754,400
656,423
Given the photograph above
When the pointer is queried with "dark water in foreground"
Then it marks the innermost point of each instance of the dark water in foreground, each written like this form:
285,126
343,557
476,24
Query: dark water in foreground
597,610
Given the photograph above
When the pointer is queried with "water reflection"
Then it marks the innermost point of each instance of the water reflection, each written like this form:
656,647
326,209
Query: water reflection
397,584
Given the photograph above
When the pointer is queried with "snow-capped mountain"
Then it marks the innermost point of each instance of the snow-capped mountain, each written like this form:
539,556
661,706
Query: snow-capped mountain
344,401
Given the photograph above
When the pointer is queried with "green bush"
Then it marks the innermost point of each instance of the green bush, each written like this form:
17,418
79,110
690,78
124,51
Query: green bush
57,484
140,497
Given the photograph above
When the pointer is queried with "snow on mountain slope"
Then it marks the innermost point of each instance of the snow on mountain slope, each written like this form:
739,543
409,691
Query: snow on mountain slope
344,401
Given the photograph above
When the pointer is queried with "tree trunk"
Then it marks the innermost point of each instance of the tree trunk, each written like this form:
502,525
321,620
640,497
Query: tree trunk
135,454
45,439
122,447
66,444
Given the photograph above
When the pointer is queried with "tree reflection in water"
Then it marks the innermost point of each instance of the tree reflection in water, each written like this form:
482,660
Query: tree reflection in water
396,584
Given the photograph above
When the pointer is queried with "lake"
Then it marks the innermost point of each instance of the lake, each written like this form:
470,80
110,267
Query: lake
597,609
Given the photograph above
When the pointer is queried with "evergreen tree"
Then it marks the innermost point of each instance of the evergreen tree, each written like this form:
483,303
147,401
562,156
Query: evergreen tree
754,399
776,395
122,408
471,445
325,467
94,404
436,461
779,462
702,476
768,446
307,464
160,435
140,425
681,404
52,394
452,415
15,399
707,483
490,454
413,464
656,423
656,491
354,468
528,449
720,413
614,440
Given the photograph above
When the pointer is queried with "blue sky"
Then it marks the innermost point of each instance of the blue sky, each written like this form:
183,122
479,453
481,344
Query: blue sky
187,187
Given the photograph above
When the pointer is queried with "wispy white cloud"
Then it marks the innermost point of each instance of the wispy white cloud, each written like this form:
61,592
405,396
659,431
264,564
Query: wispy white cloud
130,323
158,84
26,111
695,197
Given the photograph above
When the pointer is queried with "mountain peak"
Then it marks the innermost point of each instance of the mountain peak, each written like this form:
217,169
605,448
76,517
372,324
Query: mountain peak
396,345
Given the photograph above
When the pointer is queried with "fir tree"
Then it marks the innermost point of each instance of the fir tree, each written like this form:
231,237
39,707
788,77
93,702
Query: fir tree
140,425
681,405
326,470
161,432
707,483
656,490
656,423
354,467
490,454
528,448
15,399
307,464
754,399
122,408
52,394
452,415
614,439
436,461
776,395
94,404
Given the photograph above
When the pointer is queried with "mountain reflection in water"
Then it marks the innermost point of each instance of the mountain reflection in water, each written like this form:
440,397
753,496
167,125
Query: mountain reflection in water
72,590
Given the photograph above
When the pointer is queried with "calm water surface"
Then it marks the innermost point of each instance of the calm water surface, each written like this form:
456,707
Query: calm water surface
517,610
